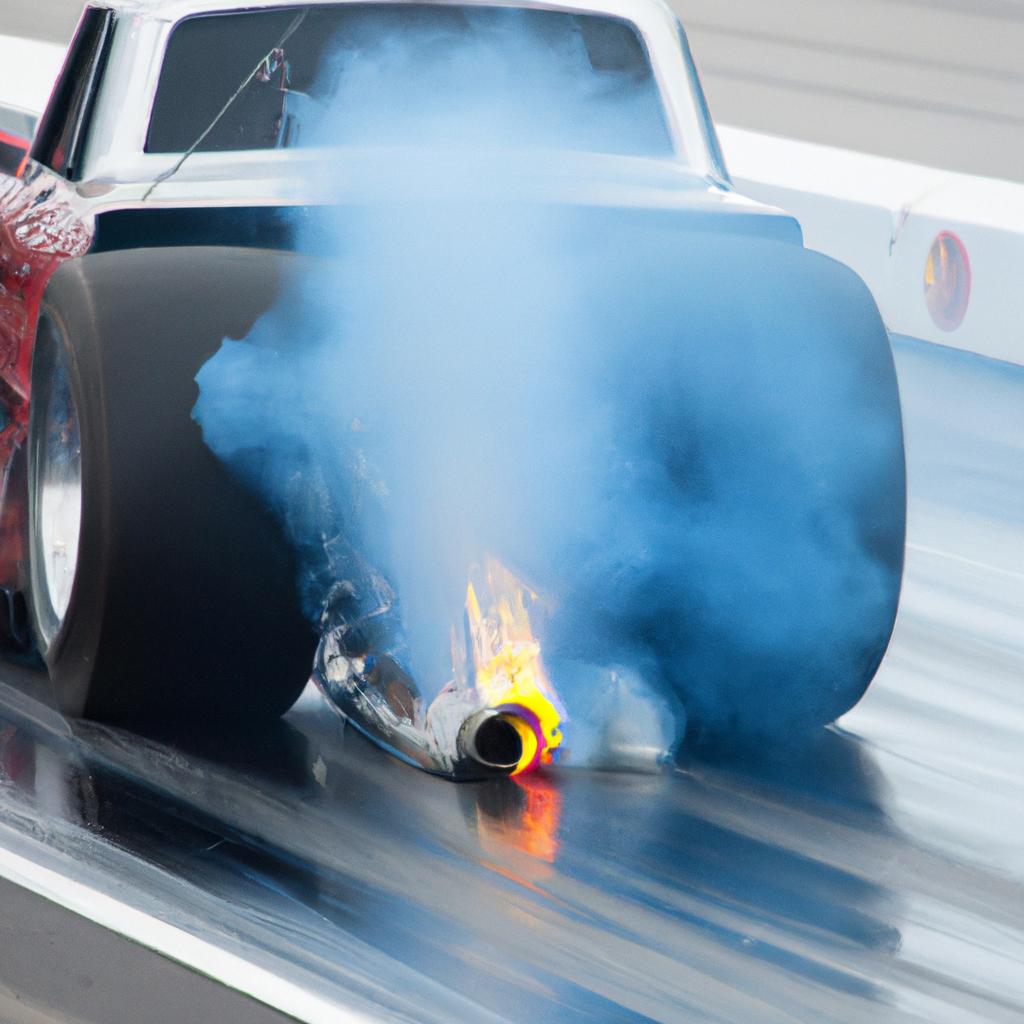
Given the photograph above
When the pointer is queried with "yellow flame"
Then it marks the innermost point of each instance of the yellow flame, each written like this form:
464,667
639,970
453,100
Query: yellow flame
507,670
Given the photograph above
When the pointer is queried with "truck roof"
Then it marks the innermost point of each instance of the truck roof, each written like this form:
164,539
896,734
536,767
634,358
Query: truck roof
117,169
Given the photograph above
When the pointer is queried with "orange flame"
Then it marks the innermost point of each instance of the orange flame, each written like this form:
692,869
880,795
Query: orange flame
529,825
504,663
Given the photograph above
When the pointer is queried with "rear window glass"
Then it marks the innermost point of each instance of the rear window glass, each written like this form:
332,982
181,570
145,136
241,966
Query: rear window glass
396,74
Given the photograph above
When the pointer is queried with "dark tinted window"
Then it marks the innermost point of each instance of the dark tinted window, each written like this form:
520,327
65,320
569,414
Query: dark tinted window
13,152
273,90
60,140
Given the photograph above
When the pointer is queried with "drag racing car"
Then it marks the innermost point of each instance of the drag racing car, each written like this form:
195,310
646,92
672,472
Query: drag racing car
177,193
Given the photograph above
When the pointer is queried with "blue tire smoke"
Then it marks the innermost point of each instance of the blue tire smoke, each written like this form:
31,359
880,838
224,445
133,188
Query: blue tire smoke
689,444
684,434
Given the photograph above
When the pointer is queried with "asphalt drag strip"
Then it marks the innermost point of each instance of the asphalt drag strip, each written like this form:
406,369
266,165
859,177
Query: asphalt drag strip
875,873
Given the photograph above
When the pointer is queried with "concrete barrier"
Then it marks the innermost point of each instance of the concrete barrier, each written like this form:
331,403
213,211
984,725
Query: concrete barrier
30,69
885,218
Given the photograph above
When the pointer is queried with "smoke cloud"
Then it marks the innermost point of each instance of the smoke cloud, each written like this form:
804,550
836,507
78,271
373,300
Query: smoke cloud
667,432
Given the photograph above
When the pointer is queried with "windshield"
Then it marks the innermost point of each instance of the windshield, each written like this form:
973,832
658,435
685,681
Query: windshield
407,74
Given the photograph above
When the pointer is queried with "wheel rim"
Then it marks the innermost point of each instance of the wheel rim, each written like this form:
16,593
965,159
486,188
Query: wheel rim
59,496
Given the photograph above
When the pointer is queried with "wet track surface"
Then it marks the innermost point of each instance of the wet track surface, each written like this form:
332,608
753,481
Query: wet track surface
875,874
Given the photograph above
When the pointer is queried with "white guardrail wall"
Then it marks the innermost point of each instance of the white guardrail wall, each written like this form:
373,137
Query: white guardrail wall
30,69
942,252
885,218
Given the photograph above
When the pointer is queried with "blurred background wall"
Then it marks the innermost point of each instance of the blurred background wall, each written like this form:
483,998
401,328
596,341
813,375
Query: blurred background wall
940,82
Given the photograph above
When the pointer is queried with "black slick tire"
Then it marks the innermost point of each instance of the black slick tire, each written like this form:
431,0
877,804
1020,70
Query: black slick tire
184,605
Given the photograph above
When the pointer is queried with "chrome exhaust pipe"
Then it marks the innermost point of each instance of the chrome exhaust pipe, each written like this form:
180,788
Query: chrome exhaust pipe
488,739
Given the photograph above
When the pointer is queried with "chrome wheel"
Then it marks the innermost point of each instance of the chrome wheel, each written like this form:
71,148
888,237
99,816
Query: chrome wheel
57,506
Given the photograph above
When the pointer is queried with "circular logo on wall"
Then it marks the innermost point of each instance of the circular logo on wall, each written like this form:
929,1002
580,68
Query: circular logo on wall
947,281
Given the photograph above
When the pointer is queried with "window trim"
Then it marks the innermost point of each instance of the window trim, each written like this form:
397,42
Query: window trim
69,111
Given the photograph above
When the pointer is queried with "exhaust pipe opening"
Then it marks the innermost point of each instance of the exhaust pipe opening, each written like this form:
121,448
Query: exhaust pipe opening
492,740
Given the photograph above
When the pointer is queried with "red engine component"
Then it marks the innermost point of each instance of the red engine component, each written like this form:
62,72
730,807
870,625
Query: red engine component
38,231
